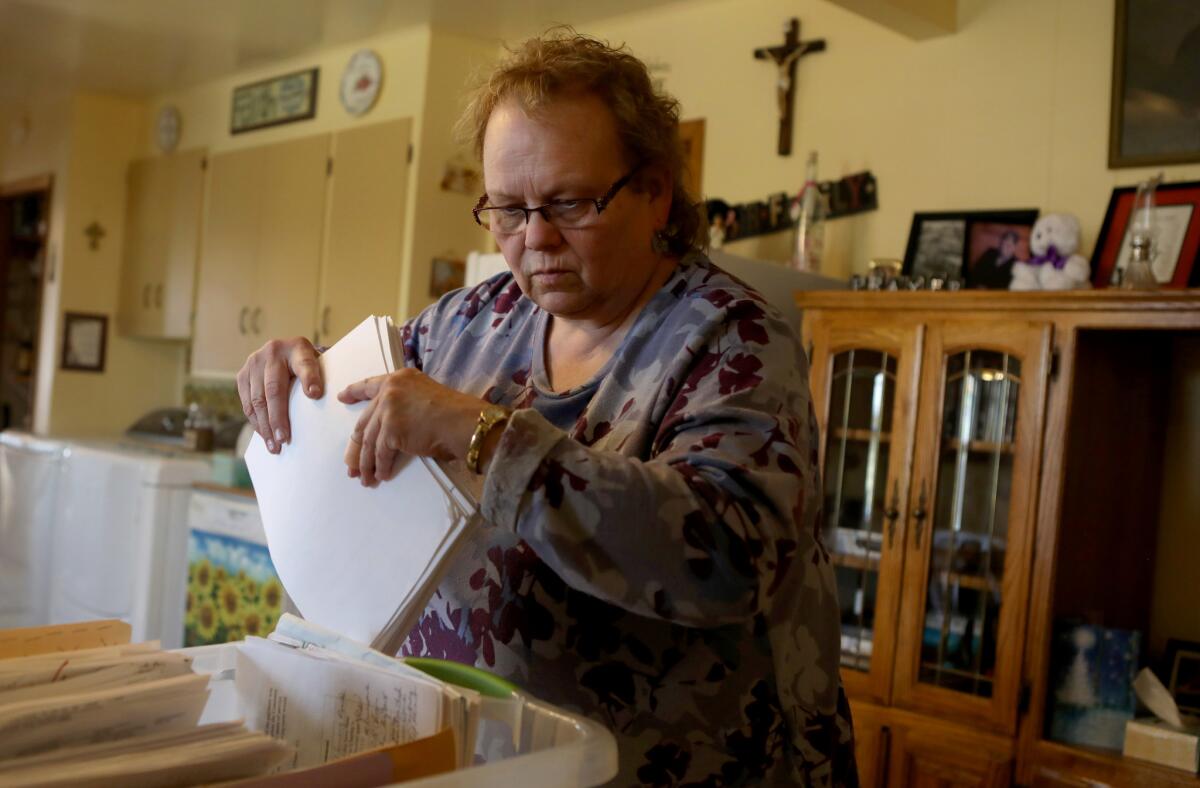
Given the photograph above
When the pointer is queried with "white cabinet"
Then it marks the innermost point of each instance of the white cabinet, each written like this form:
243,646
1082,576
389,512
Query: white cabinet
162,233
261,250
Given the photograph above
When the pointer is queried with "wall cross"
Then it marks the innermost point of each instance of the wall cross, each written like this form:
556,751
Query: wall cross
785,58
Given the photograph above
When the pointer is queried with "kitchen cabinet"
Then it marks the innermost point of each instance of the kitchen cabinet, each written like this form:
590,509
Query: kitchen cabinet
364,236
162,233
261,250
968,440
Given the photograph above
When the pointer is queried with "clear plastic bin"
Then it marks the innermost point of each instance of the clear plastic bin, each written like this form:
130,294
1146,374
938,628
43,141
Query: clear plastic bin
521,741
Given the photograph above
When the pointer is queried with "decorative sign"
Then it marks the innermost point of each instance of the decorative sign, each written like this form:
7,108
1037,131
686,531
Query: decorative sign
274,101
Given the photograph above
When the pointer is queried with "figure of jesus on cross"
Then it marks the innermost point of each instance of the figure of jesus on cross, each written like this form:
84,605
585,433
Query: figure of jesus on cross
785,58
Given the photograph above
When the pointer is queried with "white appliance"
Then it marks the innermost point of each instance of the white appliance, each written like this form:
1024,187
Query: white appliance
120,541
29,479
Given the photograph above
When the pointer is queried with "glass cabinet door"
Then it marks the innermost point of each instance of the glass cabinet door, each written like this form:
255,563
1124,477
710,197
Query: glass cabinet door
864,384
971,520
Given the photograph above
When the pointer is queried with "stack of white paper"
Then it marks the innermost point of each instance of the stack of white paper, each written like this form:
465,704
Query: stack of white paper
362,561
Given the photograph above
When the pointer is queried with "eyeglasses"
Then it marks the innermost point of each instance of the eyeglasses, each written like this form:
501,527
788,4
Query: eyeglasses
563,214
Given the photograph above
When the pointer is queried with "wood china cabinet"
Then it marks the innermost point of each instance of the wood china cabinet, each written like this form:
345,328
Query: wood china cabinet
946,435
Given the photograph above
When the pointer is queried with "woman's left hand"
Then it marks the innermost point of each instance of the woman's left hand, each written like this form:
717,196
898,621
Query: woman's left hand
410,413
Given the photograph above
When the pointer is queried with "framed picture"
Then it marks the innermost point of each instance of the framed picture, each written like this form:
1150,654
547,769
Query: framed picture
273,101
1182,673
84,339
1177,245
977,247
446,275
1155,113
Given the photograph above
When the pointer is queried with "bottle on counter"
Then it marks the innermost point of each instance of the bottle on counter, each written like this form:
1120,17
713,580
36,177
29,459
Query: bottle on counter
808,242
197,429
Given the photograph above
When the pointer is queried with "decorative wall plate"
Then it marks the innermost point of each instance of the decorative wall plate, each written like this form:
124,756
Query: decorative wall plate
361,81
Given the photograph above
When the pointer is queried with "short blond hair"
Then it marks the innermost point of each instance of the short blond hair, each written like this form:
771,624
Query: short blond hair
561,62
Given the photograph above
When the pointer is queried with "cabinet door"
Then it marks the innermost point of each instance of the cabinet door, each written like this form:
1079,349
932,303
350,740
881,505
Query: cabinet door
229,258
871,737
932,756
289,244
971,513
174,287
364,236
162,235
864,379
145,245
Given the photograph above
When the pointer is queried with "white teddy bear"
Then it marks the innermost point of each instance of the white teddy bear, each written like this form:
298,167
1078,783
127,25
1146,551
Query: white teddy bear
1054,264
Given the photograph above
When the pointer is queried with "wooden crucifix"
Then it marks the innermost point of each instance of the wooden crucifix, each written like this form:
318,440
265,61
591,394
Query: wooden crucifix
785,58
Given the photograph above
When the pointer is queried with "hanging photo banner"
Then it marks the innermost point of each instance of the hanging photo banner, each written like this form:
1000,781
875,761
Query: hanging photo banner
283,99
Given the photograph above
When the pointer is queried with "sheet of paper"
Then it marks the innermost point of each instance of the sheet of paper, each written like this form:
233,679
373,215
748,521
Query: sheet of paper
327,708
349,556
28,641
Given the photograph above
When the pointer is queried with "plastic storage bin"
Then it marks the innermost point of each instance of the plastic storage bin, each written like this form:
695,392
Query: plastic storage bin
521,741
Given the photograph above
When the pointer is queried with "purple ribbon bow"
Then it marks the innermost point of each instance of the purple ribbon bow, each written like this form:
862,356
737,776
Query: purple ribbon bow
1051,256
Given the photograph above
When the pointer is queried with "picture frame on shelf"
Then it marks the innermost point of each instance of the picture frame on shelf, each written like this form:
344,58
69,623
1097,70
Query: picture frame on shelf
1182,672
1177,246
976,247
84,340
1154,117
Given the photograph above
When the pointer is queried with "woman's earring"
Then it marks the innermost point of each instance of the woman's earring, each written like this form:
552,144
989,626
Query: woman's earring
659,242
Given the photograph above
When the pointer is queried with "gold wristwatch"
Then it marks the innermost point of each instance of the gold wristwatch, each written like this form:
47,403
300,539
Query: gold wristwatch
489,417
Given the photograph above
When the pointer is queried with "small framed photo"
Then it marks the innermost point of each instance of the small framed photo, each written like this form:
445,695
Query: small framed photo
1155,111
1182,673
976,247
1177,245
84,338
446,275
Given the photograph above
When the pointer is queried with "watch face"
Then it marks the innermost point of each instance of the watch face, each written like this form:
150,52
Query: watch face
167,128
361,81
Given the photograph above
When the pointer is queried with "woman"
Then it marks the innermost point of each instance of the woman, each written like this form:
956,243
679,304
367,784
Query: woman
643,425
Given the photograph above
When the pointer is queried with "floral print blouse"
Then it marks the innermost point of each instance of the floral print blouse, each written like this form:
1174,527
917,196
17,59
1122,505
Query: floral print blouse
651,558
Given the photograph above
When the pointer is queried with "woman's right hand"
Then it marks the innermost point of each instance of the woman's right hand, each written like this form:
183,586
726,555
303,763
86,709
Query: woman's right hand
265,380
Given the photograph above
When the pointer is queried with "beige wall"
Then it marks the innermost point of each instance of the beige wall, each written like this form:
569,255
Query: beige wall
1010,112
106,134
443,223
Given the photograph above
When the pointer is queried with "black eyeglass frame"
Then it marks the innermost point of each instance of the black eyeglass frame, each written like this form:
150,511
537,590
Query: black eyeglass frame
600,202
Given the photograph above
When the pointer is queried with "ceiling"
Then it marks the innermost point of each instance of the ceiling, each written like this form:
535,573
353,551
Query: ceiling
140,48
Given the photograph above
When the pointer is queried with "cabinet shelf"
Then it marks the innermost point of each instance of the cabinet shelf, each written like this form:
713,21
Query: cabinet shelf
967,581
980,447
852,434
866,562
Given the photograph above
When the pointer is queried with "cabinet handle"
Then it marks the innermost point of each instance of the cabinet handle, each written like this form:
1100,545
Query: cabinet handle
892,513
325,322
242,320
920,514
158,295
146,296
254,319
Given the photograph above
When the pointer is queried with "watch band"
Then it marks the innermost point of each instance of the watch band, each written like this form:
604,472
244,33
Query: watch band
489,417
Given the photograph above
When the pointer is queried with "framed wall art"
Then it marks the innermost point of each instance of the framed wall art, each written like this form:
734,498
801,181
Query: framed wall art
975,247
1155,112
1182,674
283,99
1176,245
84,339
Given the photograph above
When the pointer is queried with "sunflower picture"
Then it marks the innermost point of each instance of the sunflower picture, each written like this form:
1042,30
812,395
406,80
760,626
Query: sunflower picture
233,591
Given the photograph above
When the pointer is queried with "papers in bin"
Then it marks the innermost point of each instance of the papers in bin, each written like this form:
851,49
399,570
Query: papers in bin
357,560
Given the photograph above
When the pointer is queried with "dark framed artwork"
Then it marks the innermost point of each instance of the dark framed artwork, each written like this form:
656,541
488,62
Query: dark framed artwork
446,274
84,340
976,247
1182,673
1177,244
1155,112
271,102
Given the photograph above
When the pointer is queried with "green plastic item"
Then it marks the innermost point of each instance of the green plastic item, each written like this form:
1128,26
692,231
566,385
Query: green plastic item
464,676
